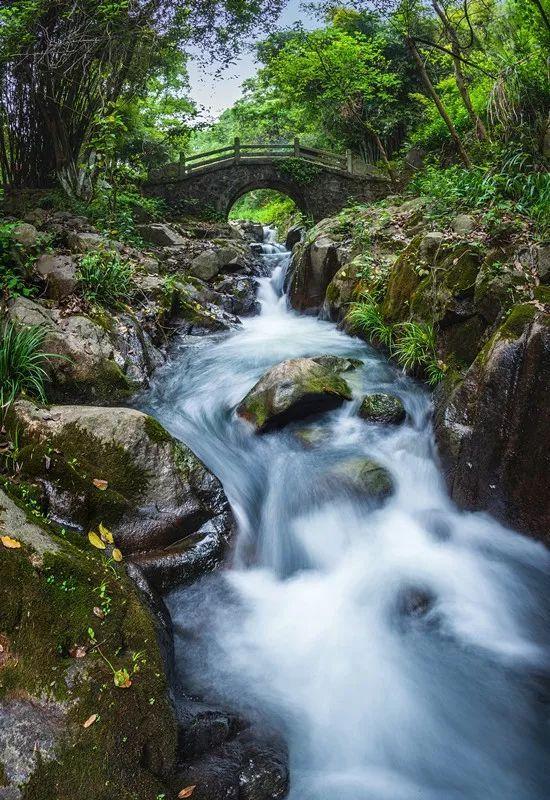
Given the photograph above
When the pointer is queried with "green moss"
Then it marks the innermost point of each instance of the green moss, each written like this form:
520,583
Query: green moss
156,432
515,322
3,776
403,280
108,384
332,293
76,458
542,294
129,748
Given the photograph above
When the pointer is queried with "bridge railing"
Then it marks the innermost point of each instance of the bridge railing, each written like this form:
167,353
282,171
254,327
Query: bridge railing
248,153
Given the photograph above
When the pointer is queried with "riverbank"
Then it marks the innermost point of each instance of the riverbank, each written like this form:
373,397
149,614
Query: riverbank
78,467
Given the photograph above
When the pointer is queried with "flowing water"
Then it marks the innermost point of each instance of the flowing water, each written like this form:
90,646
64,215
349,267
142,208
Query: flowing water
316,627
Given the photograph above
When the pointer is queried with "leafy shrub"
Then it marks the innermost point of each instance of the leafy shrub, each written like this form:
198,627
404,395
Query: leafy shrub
412,344
15,263
415,348
365,317
22,362
516,183
105,278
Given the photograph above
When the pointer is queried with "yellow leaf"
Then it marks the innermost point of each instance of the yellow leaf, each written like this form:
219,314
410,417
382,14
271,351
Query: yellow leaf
117,555
98,612
187,792
94,540
106,534
100,484
89,721
11,544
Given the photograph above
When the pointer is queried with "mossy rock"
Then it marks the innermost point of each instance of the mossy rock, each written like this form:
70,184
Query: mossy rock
297,389
120,467
47,693
384,409
404,279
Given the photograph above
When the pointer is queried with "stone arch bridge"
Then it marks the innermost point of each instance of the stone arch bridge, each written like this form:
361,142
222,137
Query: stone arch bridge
319,182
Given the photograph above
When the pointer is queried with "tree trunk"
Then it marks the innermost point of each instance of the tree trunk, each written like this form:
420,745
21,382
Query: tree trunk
460,78
437,100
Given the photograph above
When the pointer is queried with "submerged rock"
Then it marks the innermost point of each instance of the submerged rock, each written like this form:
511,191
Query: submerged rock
120,467
295,389
364,476
385,409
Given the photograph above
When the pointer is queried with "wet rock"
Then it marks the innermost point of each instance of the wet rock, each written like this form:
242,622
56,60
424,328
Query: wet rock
252,766
314,267
294,235
14,520
385,409
364,476
157,494
341,290
60,274
493,440
236,295
25,235
203,728
161,234
296,389
253,231
414,602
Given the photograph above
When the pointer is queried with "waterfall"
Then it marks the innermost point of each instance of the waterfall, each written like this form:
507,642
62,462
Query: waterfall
401,650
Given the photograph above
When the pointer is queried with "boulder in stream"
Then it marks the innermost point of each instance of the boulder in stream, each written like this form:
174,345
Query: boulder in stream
364,476
296,389
385,409
120,467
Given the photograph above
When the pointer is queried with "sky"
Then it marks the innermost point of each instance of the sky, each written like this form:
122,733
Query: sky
213,94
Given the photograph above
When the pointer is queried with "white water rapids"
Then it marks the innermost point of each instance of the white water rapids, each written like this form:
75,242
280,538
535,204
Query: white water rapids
308,627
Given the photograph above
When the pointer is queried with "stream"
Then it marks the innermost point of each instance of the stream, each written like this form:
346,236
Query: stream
402,651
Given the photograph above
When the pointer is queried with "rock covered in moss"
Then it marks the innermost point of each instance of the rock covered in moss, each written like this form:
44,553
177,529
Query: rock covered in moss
295,389
120,467
53,679
364,476
493,436
385,409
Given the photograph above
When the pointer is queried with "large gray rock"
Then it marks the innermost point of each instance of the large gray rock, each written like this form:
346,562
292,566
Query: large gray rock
84,241
59,272
161,234
90,362
315,266
208,264
493,436
25,235
296,389
294,235
165,509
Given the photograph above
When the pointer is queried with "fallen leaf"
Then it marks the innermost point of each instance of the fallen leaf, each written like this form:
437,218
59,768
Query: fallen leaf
89,721
187,792
11,544
94,540
100,484
106,534
77,651
117,555
98,612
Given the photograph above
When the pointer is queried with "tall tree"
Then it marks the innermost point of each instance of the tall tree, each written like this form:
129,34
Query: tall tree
63,62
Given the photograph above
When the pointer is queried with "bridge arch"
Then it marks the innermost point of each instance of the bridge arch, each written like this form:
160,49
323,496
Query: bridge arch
284,187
